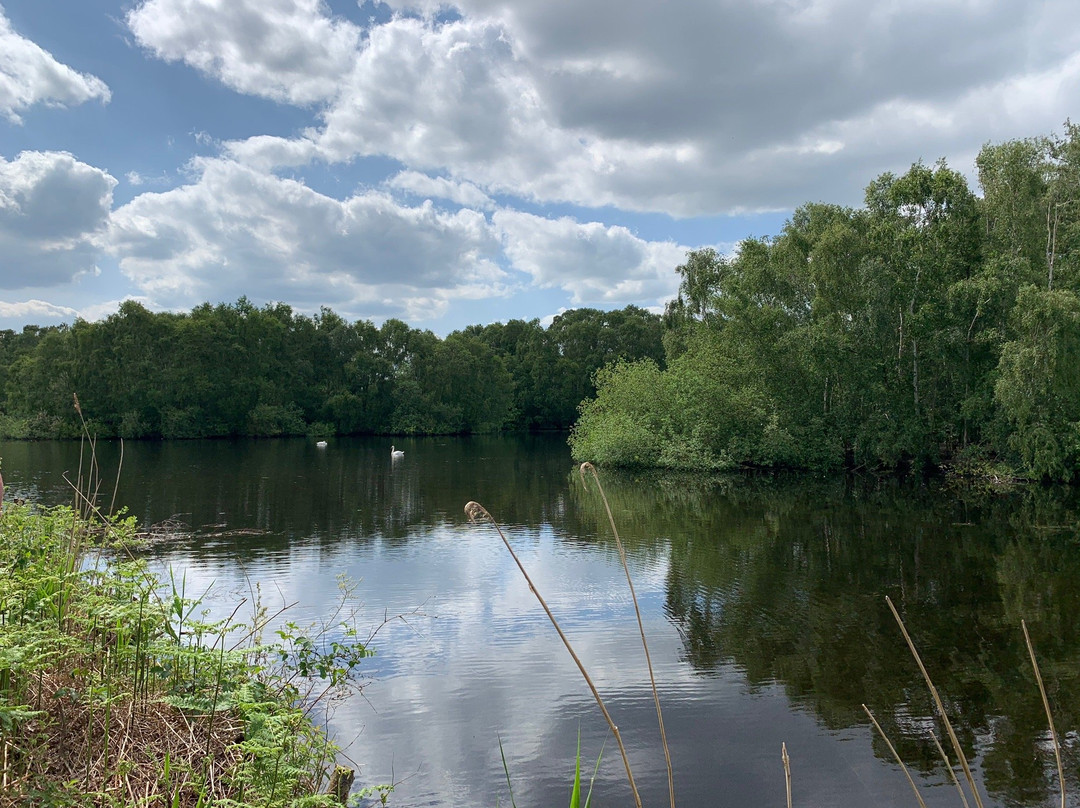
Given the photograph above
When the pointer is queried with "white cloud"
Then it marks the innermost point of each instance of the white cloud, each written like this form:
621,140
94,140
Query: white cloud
596,264
53,208
418,184
36,310
101,310
725,107
267,152
285,50
31,75
239,231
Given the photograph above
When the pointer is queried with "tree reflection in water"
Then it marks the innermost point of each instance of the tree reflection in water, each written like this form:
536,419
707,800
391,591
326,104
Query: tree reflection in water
786,578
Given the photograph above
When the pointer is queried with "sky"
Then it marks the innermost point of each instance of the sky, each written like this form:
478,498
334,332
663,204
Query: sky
474,162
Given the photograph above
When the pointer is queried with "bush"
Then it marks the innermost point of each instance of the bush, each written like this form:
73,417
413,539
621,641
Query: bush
271,420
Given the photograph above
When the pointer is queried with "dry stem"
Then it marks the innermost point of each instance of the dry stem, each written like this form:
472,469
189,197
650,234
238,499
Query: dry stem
1046,706
949,768
787,771
641,627
892,749
940,706
475,511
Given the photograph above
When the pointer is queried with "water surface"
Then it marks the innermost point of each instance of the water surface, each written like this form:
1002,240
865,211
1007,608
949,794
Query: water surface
763,602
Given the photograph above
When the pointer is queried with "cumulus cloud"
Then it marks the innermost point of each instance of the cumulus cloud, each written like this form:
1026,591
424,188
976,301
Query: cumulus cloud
481,106
596,264
53,210
418,184
267,152
36,310
240,231
286,50
31,75
724,107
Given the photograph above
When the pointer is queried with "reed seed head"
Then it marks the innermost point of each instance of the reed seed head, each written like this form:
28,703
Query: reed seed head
78,409
475,511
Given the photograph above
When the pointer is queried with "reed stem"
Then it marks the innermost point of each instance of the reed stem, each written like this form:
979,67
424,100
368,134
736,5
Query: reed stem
787,771
949,768
892,749
1046,706
940,706
475,511
641,626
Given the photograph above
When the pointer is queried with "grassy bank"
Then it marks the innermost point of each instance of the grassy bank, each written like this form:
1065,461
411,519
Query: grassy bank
116,690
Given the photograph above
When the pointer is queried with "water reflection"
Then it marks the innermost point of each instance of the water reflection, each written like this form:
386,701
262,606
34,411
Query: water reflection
763,598
786,578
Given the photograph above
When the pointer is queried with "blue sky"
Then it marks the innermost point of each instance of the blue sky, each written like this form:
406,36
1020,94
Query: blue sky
462,163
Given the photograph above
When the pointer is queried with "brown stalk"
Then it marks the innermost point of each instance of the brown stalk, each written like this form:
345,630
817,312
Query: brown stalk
1046,706
641,627
940,706
892,749
949,767
787,771
116,485
475,511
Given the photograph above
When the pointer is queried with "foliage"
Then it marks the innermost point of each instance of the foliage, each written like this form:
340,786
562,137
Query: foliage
112,683
232,370
1038,389
929,326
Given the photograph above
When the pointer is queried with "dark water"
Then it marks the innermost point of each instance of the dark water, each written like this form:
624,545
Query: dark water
763,600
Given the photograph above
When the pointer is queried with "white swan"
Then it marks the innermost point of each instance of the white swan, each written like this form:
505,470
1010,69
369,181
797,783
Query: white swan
396,453
321,444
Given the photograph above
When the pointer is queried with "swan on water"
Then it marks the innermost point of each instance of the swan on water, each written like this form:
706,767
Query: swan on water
396,452
321,444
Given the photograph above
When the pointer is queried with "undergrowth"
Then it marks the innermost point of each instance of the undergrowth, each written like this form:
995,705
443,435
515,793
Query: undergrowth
116,689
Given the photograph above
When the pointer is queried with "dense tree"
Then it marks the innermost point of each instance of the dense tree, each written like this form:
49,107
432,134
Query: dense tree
243,370
929,326
1038,389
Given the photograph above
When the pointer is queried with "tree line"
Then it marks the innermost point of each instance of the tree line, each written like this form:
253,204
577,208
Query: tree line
237,369
931,326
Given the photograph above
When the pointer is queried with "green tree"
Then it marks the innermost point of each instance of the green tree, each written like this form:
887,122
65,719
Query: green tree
1038,389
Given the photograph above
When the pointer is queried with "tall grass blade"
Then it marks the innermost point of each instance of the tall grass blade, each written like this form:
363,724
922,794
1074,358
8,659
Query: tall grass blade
116,485
940,706
641,626
575,792
892,749
1046,706
592,780
475,511
506,770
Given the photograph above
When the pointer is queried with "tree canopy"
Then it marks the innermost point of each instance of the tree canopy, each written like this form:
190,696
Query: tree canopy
930,326
238,369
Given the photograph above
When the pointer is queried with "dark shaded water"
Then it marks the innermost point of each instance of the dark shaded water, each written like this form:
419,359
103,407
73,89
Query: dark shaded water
763,600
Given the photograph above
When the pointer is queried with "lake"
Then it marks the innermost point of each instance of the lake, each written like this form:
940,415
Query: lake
763,600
